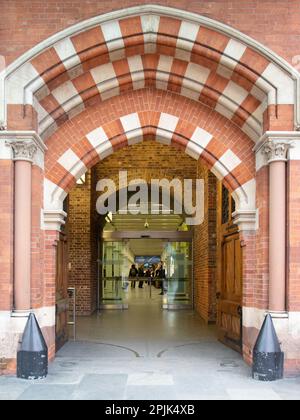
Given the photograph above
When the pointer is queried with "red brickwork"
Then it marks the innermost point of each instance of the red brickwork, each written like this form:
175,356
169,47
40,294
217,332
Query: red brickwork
149,104
294,236
80,242
37,243
49,292
260,288
93,47
275,24
205,243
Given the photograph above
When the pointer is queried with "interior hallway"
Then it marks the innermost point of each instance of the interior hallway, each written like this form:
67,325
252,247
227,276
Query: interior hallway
145,353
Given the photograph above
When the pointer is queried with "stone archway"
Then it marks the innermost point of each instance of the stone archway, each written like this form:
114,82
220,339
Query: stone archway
151,72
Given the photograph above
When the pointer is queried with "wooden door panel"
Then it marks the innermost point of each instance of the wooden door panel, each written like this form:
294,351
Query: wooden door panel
228,282
236,326
230,302
61,292
238,270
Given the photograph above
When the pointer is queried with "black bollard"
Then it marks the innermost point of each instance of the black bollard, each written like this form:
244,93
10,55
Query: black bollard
32,358
268,359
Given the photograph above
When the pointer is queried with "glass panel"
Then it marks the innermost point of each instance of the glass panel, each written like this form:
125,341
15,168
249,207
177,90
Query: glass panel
179,271
225,205
233,206
116,263
117,259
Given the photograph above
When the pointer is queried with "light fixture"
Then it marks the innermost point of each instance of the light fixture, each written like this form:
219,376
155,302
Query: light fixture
146,225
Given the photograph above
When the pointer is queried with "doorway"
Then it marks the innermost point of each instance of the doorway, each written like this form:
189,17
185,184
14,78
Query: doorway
202,263
171,250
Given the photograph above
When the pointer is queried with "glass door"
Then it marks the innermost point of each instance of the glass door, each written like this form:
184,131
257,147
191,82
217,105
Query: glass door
119,254
178,286
115,266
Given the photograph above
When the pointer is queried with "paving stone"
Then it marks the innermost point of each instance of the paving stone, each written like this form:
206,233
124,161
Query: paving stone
101,387
166,392
150,378
48,392
250,394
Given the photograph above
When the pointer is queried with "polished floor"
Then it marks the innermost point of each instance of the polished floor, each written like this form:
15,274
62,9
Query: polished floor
145,328
145,353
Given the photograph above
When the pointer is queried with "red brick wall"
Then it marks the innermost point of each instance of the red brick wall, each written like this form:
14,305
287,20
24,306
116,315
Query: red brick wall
37,240
80,235
273,23
293,257
50,246
205,262
260,288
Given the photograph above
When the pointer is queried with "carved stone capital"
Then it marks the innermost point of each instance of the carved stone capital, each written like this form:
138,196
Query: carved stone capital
23,150
22,145
276,151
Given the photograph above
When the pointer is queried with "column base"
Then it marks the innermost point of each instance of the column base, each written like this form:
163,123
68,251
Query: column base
12,325
20,314
278,314
287,326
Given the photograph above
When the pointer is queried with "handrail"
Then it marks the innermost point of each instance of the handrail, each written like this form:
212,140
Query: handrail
72,294
120,278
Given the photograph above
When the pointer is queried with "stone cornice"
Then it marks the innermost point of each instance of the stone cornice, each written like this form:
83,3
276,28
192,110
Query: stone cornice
53,219
246,220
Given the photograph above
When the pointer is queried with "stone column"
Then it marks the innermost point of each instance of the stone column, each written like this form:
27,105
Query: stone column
23,154
277,152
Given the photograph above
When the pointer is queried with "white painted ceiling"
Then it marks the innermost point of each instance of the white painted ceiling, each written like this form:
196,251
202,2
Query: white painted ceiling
147,247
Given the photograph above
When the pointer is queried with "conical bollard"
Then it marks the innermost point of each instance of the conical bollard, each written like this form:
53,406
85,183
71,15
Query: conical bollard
268,359
32,358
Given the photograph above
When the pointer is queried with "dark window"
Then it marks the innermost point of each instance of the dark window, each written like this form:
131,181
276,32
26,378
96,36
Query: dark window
233,208
225,205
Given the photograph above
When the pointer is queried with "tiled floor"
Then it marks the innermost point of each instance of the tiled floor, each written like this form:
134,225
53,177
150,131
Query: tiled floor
147,354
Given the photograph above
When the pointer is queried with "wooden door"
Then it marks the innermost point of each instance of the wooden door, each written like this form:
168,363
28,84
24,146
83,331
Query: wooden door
62,292
231,292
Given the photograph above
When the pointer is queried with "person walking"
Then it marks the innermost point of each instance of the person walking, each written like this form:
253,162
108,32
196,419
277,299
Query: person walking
148,274
133,273
141,275
161,274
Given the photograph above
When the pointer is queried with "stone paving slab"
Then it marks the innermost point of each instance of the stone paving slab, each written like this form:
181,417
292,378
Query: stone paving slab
43,392
149,392
147,380
252,393
101,387
159,366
